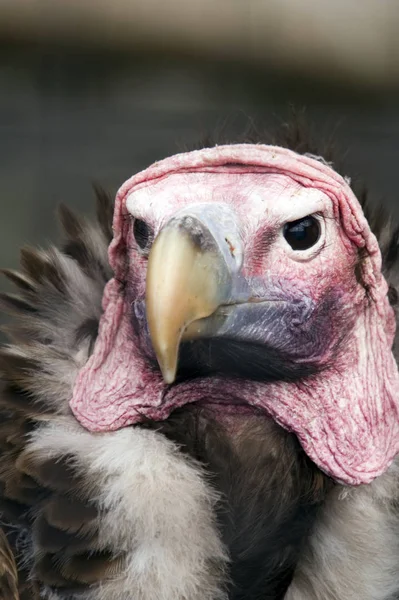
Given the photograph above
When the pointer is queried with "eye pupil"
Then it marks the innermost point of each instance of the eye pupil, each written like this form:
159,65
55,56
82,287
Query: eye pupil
303,233
142,233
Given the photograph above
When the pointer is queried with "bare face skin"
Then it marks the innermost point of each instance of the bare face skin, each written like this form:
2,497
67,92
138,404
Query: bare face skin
248,284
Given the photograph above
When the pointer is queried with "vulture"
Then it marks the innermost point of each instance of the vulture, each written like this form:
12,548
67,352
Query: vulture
199,391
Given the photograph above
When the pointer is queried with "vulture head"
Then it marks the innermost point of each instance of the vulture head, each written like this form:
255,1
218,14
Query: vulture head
200,402
247,280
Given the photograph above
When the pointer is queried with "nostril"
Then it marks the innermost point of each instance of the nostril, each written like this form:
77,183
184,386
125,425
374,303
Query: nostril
143,234
199,233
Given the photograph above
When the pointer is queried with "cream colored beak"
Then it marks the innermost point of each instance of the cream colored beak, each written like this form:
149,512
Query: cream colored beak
187,280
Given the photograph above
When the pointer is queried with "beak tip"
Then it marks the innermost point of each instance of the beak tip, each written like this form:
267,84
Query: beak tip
169,375
167,360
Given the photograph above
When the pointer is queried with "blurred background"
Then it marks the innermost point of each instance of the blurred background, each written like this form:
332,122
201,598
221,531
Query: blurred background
96,90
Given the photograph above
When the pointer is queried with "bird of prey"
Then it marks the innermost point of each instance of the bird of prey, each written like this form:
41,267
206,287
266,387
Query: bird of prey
199,398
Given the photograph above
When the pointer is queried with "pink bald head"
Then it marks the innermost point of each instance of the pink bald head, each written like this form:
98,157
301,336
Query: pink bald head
335,315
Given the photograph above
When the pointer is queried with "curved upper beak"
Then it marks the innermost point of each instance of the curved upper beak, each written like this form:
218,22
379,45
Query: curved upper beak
193,269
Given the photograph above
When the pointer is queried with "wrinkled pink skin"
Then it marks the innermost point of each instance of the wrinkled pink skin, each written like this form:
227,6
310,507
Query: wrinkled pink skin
346,416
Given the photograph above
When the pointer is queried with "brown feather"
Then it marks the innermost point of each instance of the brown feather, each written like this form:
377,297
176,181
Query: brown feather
70,514
20,405
32,263
104,206
8,571
70,222
49,496
18,279
66,525
15,304
51,539
60,571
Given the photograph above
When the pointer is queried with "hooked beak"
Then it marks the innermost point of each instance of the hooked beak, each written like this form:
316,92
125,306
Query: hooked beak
192,271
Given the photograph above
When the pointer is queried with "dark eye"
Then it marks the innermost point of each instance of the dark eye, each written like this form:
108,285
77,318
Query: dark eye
142,234
302,234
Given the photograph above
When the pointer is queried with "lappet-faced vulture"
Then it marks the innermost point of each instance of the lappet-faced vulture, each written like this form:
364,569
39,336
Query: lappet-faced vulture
200,395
